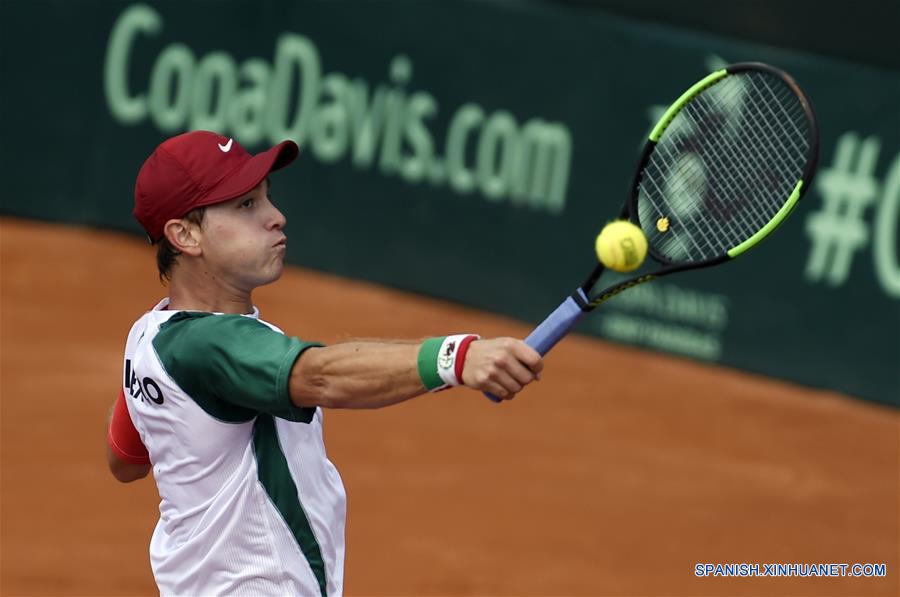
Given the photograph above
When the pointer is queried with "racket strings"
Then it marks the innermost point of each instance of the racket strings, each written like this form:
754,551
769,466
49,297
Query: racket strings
730,170
724,168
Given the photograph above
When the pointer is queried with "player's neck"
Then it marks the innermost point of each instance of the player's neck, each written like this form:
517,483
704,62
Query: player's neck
201,293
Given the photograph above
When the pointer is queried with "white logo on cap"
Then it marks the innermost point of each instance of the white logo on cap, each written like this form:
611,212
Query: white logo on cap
227,147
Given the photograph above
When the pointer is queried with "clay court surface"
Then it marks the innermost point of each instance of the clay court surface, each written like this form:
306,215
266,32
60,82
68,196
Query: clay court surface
614,475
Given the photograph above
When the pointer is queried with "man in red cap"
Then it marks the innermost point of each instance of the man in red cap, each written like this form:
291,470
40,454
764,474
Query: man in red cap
227,409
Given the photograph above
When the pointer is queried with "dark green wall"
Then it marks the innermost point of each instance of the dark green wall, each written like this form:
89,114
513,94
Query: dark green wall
543,105
862,31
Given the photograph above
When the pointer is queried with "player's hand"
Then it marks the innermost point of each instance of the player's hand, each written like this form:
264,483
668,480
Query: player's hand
501,366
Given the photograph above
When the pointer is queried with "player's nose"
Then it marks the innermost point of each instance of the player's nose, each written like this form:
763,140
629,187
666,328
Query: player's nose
277,219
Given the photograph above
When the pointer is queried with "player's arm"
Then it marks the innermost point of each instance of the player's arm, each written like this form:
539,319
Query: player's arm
372,374
125,472
125,452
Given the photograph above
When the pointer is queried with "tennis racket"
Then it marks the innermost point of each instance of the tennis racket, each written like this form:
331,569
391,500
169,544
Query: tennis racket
722,169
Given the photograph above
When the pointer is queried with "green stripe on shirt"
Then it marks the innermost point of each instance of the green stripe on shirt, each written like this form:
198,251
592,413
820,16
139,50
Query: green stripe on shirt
275,477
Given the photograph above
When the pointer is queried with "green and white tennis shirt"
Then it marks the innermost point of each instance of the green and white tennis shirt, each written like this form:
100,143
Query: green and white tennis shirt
250,503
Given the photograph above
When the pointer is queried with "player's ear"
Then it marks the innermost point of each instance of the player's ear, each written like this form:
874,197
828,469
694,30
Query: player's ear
184,236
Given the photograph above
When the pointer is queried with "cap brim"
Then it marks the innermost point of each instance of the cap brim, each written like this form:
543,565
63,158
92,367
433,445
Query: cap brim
251,173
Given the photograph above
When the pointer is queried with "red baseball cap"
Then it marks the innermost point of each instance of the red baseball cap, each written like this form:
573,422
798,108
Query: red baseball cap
196,169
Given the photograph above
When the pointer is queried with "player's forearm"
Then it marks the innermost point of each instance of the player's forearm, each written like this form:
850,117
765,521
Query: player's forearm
360,374
372,374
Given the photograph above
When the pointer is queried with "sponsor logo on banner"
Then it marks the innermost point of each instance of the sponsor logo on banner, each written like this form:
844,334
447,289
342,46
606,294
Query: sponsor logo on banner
375,125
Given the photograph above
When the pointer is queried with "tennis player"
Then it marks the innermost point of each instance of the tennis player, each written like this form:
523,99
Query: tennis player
227,410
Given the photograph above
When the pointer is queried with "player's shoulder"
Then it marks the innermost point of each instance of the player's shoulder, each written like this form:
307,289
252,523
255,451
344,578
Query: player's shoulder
196,337
201,324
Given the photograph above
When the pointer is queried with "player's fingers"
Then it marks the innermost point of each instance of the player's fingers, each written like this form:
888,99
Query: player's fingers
506,381
520,372
499,383
499,390
529,357
494,366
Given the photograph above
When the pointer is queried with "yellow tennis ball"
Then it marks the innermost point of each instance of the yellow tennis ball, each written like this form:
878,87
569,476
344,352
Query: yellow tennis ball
621,246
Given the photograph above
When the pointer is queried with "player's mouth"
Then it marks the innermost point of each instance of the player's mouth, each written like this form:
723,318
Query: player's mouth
281,244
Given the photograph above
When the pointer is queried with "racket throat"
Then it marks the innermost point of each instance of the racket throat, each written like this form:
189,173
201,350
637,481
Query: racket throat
579,297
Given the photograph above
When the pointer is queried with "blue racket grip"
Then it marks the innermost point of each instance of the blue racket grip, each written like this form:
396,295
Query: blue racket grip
554,327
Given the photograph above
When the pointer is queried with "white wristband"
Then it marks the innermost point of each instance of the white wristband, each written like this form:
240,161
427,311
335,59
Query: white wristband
446,361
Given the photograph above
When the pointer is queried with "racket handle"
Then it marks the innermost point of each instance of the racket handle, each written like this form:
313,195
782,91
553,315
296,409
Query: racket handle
554,327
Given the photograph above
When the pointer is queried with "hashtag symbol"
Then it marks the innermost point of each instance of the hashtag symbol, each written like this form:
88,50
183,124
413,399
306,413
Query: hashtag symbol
838,230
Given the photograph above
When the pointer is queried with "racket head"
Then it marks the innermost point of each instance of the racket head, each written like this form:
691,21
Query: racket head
724,166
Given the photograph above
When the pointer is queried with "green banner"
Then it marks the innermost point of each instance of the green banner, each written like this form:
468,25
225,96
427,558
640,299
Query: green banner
470,151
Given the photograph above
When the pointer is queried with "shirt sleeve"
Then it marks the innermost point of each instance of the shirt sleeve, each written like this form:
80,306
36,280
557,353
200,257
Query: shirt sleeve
124,440
233,359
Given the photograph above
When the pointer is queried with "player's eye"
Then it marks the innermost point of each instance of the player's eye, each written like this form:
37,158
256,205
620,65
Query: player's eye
248,202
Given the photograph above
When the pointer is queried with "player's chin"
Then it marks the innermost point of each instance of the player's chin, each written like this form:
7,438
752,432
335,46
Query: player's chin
269,273
275,273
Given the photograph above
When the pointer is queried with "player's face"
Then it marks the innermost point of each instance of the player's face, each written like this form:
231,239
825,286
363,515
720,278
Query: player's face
243,240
